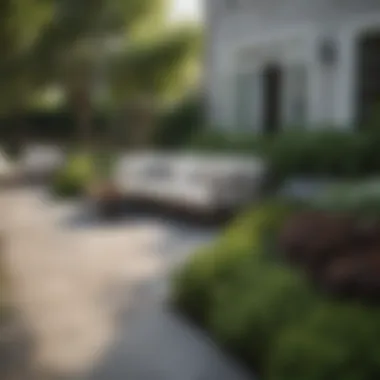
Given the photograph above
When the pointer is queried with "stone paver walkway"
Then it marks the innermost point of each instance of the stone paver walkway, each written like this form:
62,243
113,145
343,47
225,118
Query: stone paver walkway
94,295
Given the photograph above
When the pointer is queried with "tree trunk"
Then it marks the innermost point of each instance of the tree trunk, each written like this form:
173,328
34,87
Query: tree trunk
141,124
83,117
80,105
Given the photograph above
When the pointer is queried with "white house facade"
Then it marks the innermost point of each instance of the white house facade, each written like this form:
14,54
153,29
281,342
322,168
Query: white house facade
276,63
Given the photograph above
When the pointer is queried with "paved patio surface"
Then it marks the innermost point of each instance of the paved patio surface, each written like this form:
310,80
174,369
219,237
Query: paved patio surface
94,295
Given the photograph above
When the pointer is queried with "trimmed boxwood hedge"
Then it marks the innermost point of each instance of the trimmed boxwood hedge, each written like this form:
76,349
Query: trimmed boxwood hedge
320,152
323,153
228,142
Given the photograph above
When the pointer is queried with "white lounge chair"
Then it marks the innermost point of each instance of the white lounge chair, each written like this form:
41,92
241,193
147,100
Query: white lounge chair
205,182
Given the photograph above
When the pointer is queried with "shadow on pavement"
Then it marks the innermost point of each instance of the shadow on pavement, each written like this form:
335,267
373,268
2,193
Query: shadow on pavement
153,342
87,216
150,342
16,347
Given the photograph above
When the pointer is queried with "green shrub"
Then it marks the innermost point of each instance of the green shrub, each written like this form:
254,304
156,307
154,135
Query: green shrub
194,284
177,125
228,142
322,153
270,315
75,176
327,153
336,342
249,312
236,291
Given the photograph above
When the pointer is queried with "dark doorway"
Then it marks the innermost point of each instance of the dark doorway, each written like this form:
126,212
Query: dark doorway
368,90
272,83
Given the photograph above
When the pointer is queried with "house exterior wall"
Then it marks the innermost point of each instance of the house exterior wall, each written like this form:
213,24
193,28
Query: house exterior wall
247,35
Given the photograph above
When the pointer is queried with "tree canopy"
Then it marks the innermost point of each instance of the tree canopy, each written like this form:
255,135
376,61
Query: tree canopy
60,43
21,24
160,66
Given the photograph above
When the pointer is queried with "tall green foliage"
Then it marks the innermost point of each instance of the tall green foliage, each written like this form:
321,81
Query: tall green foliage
21,25
61,43
157,66
38,37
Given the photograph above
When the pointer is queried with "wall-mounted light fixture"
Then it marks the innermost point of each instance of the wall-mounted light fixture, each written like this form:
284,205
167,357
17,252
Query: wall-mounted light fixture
328,52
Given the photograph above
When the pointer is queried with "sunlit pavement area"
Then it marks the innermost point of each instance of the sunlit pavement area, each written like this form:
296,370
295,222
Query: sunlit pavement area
93,294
